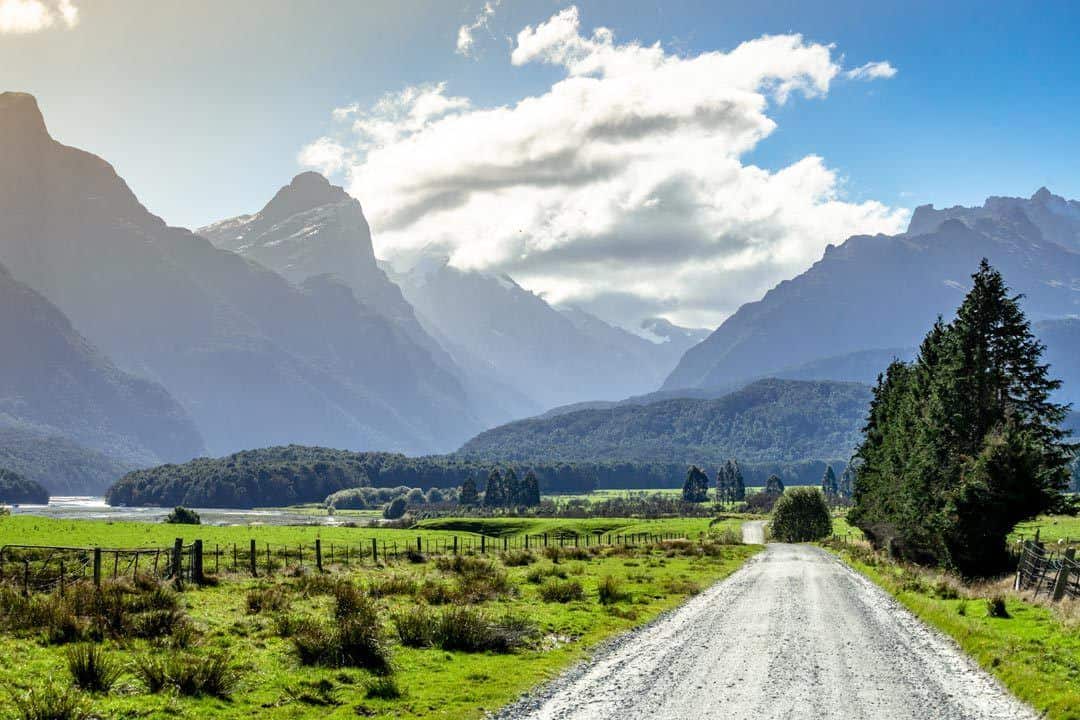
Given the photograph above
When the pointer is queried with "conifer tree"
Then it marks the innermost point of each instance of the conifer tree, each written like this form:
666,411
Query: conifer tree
512,489
531,490
965,442
738,485
494,493
469,495
696,487
774,485
829,487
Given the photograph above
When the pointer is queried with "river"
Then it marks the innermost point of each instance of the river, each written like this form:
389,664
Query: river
95,508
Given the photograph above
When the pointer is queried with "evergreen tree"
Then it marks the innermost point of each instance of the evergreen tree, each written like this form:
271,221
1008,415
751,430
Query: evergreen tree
965,442
469,495
531,490
846,486
723,485
737,483
696,487
494,493
512,489
829,487
774,485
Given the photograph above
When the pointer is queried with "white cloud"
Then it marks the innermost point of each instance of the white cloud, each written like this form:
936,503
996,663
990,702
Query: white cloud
30,16
881,70
466,43
621,186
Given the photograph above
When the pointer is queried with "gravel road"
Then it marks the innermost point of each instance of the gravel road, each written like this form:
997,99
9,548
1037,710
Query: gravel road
793,634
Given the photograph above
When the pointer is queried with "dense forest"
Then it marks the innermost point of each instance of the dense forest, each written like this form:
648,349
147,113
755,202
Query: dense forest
965,441
58,464
14,488
769,421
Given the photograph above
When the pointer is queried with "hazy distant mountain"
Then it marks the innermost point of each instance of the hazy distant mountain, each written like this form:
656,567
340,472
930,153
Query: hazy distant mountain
52,381
59,464
554,356
662,330
767,421
254,359
886,291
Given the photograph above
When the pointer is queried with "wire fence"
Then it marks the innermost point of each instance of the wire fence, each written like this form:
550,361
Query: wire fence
41,568
1054,573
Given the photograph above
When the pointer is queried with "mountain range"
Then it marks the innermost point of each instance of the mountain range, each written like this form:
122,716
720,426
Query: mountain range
874,297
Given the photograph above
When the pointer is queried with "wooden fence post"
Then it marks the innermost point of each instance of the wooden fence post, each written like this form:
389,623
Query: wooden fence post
483,544
197,562
374,550
252,557
318,554
62,588
1062,580
419,544
455,544
177,559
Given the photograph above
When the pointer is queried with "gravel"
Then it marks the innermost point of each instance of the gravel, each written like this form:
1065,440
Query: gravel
793,634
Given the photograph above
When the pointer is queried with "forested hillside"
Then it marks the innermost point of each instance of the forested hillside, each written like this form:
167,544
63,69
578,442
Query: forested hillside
769,421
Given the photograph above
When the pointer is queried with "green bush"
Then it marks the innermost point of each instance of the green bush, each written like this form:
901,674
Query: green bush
191,675
801,516
182,516
415,626
561,591
49,704
468,629
611,592
90,669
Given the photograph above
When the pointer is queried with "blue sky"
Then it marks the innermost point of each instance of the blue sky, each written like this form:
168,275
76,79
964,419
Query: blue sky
203,106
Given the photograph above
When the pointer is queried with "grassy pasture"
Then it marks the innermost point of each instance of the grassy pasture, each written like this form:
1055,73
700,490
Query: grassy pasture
433,682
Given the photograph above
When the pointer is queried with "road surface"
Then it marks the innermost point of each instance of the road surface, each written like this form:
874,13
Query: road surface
793,634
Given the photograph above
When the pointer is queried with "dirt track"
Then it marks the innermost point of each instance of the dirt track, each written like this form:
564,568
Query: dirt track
793,634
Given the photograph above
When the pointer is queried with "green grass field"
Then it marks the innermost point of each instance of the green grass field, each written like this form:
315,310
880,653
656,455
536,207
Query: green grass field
434,683
1051,528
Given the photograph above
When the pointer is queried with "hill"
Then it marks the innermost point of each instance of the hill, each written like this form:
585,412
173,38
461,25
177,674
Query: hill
767,421
58,464
14,488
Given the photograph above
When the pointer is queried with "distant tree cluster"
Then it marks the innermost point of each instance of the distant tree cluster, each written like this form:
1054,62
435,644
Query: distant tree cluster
510,491
696,487
838,491
730,486
14,488
370,498
965,441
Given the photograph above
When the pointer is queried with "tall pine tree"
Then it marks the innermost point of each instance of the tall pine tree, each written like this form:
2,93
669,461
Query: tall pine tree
829,486
696,487
494,493
965,442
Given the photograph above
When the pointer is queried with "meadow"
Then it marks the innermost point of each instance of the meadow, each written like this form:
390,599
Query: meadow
448,637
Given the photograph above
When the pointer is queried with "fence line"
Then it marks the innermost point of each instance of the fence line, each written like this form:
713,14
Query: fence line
1057,574
41,568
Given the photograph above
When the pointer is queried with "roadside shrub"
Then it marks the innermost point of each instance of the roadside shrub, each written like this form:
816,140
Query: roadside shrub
415,556
355,640
995,607
49,704
801,516
437,592
415,626
91,670
481,587
518,558
362,643
191,675
462,564
392,585
680,586
761,503
274,598
396,509
611,591
183,516
561,591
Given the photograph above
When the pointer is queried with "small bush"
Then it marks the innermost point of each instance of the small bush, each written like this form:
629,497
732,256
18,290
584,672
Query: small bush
561,591
415,556
392,585
470,630
183,516
415,626
801,516
49,704
518,558
611,591
537,575
190,675
356,640
435,592
274,598
90,669
382,688
396,509
995,607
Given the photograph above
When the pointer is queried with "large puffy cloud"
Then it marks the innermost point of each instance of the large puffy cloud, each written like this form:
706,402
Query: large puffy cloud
621,188
30,16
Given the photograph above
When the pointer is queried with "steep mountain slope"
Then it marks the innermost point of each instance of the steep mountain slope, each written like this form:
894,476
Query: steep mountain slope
60,465
767,421
254,359
553,356
886,291
312,229
53,380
